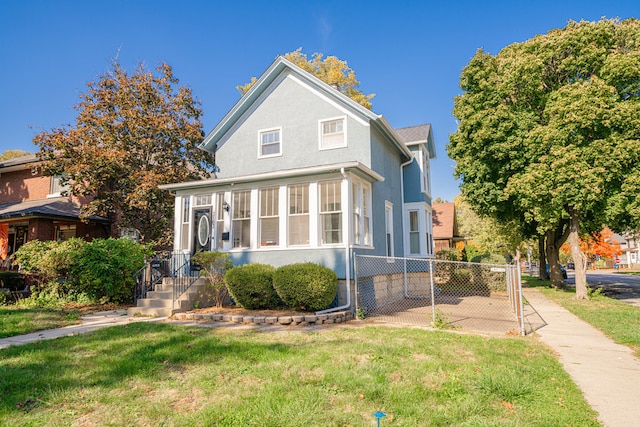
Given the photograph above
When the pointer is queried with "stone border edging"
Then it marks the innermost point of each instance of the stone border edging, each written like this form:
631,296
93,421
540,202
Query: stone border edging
303,320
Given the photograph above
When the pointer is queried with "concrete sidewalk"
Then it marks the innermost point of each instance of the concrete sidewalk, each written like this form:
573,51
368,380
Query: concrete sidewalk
607,373
89,323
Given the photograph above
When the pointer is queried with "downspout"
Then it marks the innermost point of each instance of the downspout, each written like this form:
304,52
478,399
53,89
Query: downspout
347,269
404,223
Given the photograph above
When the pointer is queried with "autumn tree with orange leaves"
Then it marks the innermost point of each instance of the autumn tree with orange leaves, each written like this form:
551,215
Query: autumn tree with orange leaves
330,70
133,132
600,244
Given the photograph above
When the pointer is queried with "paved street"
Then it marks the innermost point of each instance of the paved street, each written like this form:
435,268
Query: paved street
624,287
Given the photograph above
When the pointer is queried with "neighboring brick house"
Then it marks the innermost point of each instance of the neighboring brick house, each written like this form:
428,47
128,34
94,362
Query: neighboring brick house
32,207
445,227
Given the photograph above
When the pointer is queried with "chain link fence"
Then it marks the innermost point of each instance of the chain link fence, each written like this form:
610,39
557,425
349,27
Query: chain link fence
445,294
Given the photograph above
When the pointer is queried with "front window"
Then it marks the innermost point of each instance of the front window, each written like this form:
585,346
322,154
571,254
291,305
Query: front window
241,219
269,230
426,172
299,215
57,188
270,143
414,233
220,204
388,224
332,134
361,193
186,216
202,200
330,212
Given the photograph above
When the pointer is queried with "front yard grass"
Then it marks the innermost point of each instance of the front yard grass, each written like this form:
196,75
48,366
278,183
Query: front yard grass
617,319
163,374
21,319
16,320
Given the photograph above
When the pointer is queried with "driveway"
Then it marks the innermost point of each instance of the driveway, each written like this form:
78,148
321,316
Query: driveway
619,286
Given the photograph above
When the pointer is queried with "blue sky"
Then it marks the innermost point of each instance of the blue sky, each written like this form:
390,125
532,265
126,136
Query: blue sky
409,53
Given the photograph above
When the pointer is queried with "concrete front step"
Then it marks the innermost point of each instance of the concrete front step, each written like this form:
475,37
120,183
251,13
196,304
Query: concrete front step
160,302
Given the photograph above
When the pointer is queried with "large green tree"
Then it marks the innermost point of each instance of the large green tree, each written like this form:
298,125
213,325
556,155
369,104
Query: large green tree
330,70
133,132
549,132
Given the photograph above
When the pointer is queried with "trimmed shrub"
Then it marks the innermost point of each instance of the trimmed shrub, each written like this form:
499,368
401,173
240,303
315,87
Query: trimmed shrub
251,286
100,271
492,281
461,276
306,286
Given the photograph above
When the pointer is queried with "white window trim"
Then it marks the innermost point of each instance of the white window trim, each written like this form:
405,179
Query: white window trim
344,131
263,131
424,229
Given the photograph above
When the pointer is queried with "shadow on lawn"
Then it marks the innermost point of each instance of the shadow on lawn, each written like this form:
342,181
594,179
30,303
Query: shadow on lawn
111,357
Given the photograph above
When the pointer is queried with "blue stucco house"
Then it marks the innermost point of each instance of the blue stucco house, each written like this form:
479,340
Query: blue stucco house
307,174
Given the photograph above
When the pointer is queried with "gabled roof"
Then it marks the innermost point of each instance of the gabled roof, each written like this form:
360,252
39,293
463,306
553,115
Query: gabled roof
421,134
275,70
443,215
56,207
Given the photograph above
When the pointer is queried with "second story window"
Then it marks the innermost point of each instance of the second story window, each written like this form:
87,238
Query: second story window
56,188
333,134
270,143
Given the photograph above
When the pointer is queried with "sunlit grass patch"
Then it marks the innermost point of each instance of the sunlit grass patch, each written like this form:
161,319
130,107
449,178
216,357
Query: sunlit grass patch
159,374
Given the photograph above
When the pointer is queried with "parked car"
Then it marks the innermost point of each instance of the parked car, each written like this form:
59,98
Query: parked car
571,266
562,269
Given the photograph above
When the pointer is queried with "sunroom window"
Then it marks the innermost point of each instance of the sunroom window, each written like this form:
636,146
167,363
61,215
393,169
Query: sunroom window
330,212
299,215
241,222
269,219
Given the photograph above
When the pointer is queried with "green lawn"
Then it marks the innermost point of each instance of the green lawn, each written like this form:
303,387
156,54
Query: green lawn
16,320
617,319
163,374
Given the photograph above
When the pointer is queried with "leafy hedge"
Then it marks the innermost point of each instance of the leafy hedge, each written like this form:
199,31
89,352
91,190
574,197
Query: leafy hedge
251,286
101,270
306,286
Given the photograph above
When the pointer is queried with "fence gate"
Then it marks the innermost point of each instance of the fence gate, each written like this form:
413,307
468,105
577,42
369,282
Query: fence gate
450,294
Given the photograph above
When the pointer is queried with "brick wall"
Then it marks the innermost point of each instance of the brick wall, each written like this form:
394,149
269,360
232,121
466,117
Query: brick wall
41,229
19,186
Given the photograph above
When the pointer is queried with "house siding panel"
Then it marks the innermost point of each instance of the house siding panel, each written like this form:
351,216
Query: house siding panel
297,110
386,161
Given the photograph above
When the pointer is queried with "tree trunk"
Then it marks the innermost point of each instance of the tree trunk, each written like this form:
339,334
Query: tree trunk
542,271
579,259
555,238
